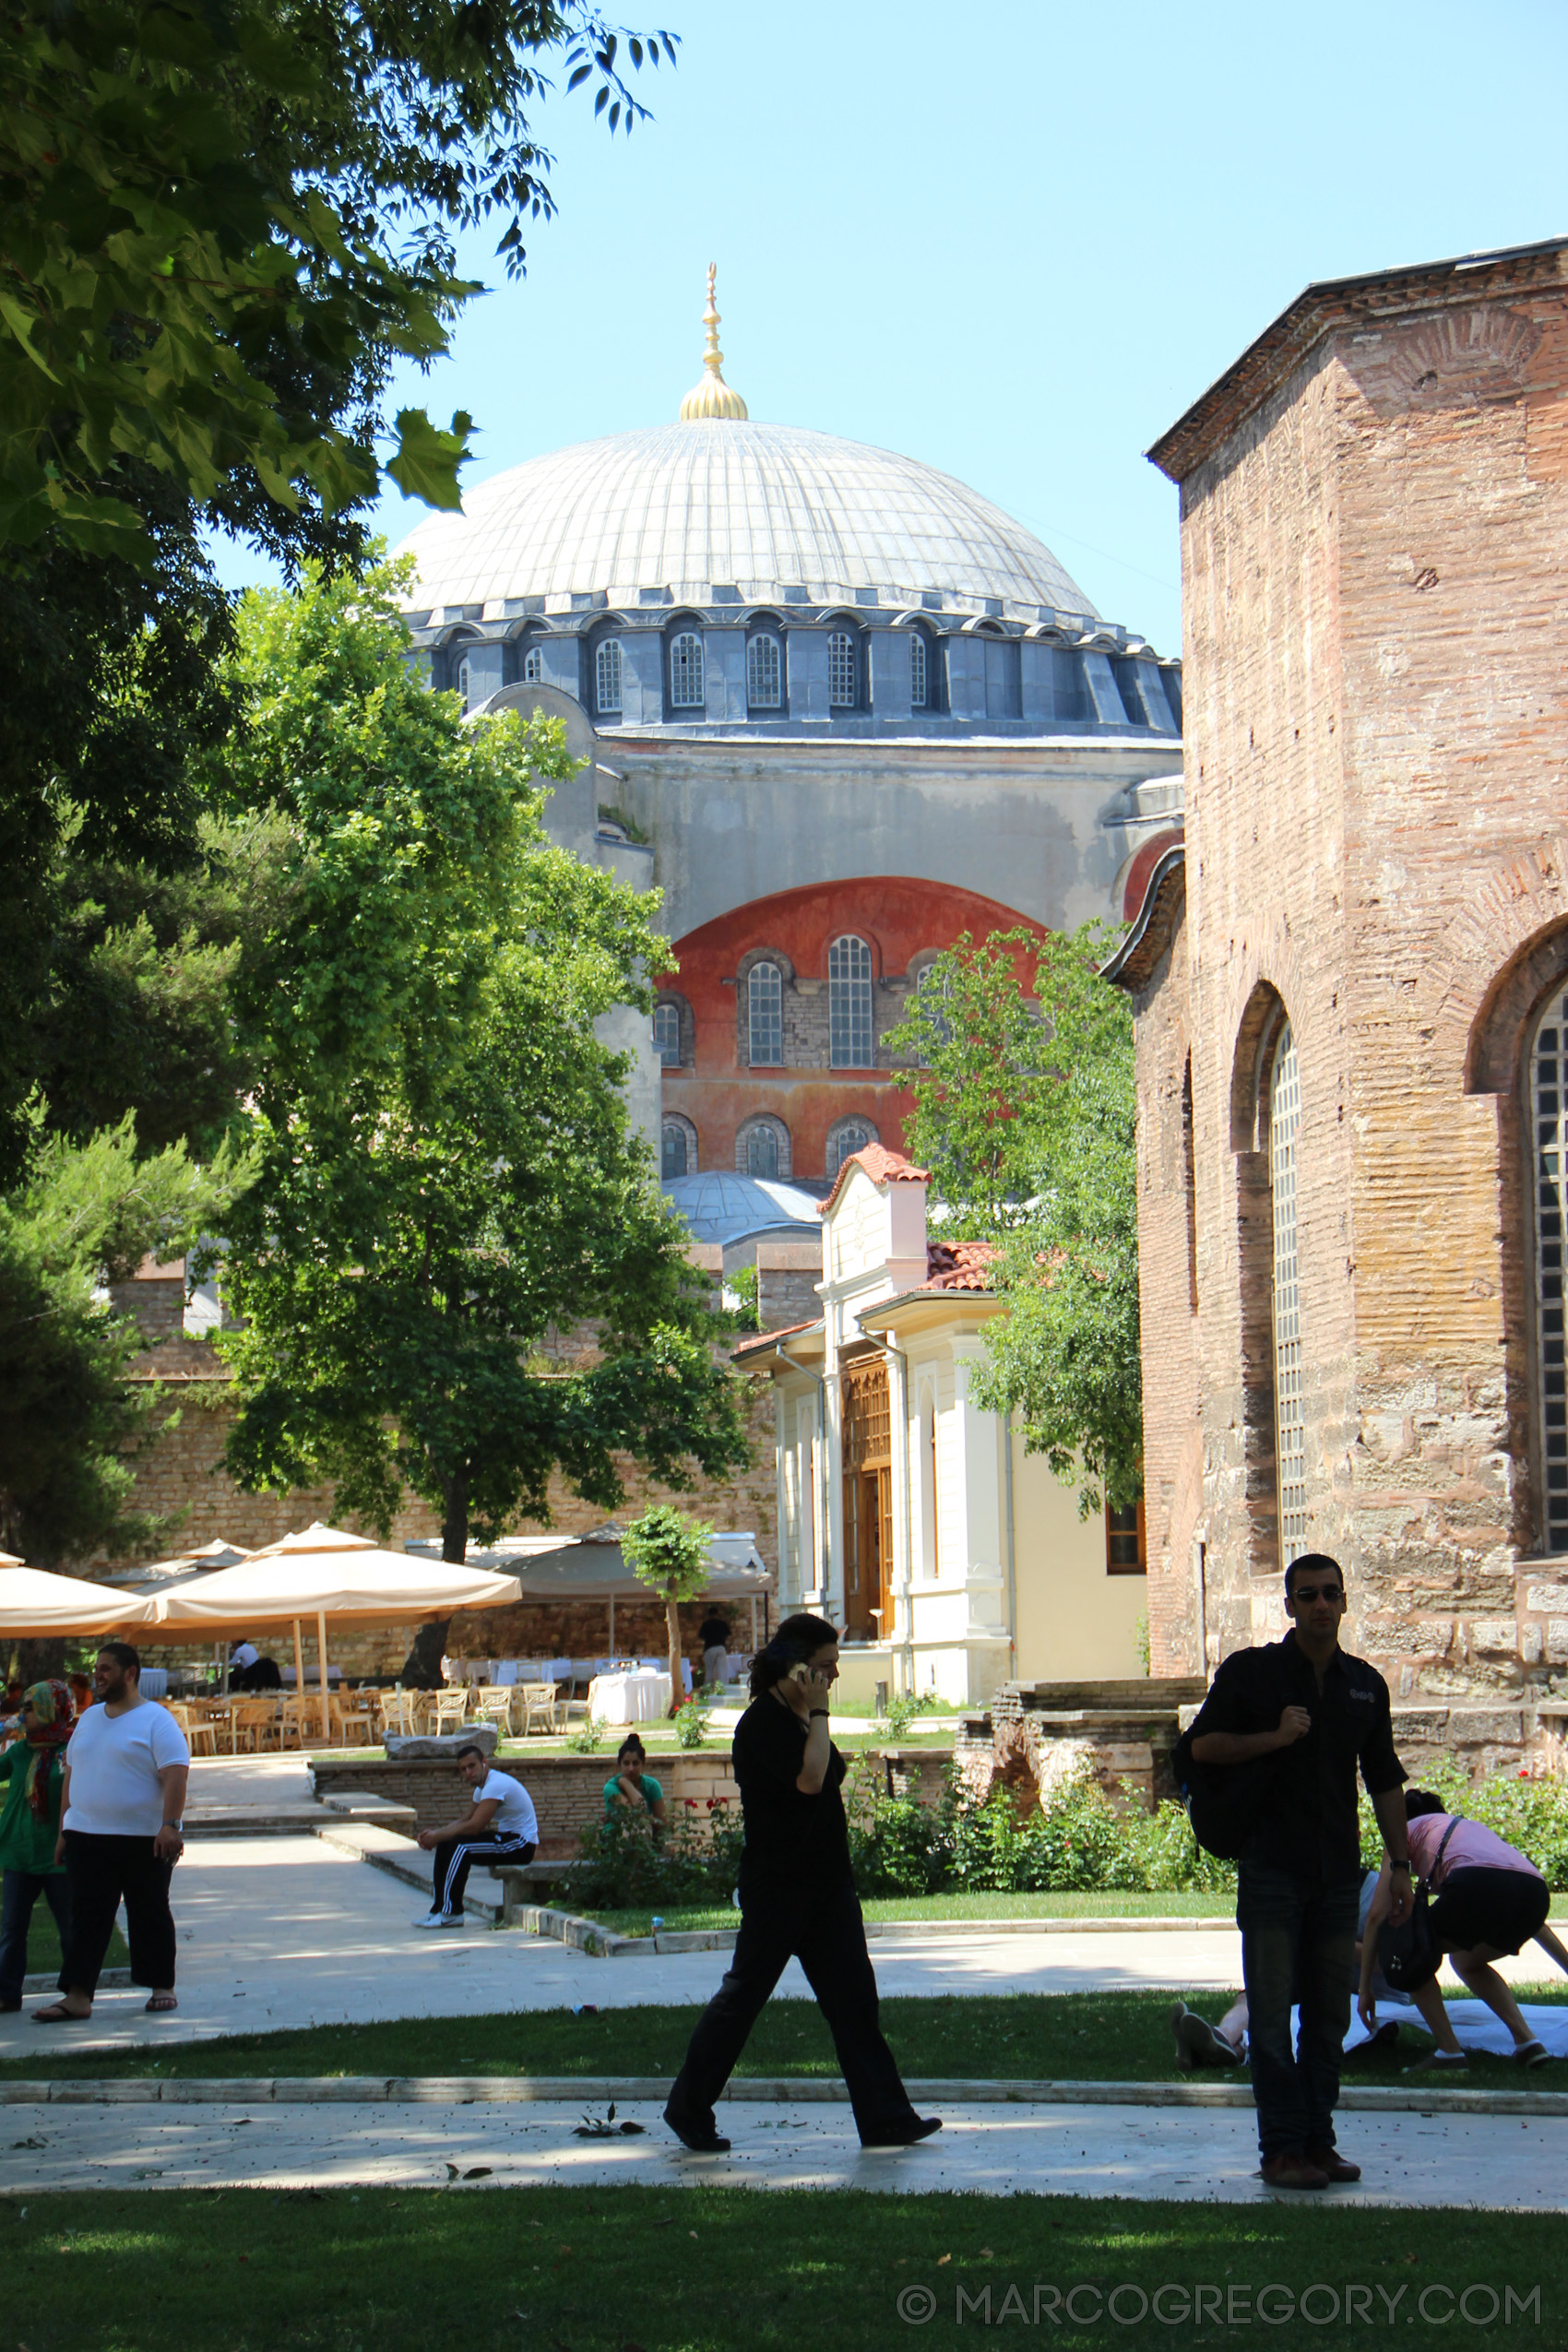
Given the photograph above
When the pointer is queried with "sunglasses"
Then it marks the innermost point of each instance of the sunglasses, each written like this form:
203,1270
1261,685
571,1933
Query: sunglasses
1318,1592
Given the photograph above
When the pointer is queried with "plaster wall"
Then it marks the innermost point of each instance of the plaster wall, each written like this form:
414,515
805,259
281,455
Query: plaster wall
1075,1624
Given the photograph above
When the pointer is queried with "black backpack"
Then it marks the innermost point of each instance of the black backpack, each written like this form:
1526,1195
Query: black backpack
1225,1803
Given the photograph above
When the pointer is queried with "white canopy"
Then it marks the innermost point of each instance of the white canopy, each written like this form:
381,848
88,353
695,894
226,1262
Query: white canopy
35,1605
563,1568
322,1573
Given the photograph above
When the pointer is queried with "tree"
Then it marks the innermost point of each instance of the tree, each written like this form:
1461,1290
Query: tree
221,225
669,1553
1028,1121
70,1422
449,1184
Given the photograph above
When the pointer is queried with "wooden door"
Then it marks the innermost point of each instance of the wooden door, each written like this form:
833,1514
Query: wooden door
867,1502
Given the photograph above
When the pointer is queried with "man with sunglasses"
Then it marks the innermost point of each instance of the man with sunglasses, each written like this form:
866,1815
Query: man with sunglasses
1315,1713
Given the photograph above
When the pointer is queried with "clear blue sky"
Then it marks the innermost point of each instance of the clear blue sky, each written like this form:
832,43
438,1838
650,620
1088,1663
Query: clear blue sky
1015,247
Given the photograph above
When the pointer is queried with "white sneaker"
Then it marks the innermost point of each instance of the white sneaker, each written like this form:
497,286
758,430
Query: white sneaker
439,1919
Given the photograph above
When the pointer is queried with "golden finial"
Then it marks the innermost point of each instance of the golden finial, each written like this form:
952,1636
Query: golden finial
712,397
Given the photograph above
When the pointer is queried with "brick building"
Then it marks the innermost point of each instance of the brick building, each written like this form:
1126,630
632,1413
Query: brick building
1350,990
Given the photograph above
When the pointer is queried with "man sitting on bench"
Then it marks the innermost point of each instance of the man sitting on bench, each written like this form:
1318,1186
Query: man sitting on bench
501,1826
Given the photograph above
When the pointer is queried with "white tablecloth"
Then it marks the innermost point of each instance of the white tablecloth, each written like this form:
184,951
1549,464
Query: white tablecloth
628,1698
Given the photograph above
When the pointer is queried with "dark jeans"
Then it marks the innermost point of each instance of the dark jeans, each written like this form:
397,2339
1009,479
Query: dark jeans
1298,1946
822,1929
103,1872
21,1891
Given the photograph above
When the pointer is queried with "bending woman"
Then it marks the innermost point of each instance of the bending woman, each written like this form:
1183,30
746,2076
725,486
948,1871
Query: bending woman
1487,1899
796,1898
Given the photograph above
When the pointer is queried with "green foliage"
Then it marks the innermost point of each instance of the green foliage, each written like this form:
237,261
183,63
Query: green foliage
668,1552
447,1179
1026,1116
70,1423
903,1710
694,1858
691,1722
1529,1811
742,1287
224,227
587,1739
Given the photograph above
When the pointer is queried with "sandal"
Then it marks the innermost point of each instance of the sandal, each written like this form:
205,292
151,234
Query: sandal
1532,2053
162,2001
58,2014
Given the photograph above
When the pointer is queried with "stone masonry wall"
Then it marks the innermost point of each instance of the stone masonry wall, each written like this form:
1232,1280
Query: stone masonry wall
1376,746
567,1791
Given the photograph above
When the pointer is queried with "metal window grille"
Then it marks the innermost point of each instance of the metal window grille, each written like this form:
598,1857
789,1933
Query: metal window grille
686,672
764,674
1289,1408
765,1016
1549,1144
607,675
917,670
841,669
849,1004
667,1035
762,1152
533,667
675,1158
853,1136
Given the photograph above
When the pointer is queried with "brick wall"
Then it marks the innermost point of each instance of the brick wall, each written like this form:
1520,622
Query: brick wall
567,1791
1376,733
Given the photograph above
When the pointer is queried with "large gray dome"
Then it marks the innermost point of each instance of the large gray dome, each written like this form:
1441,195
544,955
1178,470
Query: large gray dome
757,508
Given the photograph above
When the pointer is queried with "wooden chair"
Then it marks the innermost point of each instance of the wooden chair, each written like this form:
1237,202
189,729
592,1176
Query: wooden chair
201,1737
255,1725
354,1720
291,1729
451,1710
399,1713
493,1704
542,1704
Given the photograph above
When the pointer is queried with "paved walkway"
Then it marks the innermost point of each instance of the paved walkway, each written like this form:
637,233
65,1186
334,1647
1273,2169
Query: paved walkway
1495,2163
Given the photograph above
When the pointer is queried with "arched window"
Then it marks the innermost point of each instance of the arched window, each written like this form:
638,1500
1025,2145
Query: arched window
667,1035
762,1148
765,1017
932,989
679,1153
841,669
463,686
607,677
1548,1143
848,1137
533,667
1289,1408
849,1004
917,670
686,672
762,1152
765,674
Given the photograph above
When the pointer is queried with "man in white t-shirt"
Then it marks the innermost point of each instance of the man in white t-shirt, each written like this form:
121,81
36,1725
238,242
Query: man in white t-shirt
500,1825
126,1764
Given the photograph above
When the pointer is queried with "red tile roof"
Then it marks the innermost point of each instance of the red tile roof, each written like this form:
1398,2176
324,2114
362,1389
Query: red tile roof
959,1265
884,1167
767,1338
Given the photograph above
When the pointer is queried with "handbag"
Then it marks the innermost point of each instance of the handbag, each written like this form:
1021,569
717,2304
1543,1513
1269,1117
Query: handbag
1408,1954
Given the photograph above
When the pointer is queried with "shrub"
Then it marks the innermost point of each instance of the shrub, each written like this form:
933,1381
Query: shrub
694,1861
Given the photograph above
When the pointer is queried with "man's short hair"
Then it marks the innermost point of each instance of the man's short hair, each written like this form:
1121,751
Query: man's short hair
1317,1561
122,1654
472,1749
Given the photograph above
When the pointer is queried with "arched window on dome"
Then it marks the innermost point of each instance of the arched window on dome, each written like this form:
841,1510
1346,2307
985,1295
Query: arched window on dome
765,1017
849,1042
533,667
765,672
667,1035
844,1140
917,670
841,677
686,689
678,1153
607,678
463,686
762,1148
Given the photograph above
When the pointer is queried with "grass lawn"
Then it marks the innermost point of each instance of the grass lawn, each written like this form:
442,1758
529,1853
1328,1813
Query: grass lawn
673,2269
43,1944
1109,2036
1099,1905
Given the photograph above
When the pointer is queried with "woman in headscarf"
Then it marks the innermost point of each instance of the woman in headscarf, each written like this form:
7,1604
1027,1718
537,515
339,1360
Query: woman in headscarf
32,1770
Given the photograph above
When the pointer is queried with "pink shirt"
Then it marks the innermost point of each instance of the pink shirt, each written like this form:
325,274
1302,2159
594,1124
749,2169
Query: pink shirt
1472,1847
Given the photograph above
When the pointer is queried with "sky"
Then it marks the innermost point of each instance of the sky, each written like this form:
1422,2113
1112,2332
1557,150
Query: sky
1015,247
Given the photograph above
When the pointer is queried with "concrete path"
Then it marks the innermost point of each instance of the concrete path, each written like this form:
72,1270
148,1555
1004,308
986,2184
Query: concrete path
1474,2161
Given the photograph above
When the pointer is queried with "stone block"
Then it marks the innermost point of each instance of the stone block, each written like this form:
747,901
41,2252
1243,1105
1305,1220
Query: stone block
426,1749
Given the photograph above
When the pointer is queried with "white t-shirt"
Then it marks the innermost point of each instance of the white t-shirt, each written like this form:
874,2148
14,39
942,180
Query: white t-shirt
245,1654
114,1760
516,1817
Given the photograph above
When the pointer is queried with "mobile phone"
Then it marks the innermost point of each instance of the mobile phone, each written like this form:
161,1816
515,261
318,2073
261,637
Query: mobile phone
801,1673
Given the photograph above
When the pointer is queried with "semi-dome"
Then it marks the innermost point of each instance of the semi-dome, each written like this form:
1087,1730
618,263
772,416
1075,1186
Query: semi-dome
676,512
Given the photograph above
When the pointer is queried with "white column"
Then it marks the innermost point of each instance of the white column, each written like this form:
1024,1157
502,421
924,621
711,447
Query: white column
976,1503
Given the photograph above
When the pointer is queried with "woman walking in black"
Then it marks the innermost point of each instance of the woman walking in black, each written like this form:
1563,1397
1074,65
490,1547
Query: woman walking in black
796,1898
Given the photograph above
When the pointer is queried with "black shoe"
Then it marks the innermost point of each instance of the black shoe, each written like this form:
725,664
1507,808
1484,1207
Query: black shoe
701,2138
903,2135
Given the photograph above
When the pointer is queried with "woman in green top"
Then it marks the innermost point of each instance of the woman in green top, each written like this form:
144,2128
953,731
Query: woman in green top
634,1787
34,1772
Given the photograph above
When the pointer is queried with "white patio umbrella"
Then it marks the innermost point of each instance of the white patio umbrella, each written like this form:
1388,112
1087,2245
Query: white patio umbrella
322,1573
39,1606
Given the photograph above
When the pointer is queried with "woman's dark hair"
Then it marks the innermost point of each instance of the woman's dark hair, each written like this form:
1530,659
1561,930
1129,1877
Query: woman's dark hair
1421,1800
797,1639
629,1745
